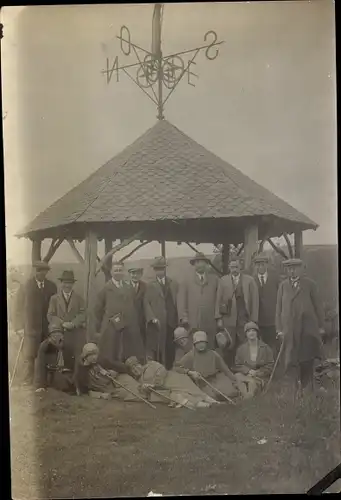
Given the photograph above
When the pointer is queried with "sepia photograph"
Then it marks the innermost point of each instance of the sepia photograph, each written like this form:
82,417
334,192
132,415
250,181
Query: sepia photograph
170,176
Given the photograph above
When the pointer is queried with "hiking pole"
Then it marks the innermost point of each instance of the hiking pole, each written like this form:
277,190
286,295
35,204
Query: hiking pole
114,381
16,362
217,390
274,368
168,399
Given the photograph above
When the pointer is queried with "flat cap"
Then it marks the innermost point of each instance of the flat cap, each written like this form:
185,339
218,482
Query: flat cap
292,262
261,258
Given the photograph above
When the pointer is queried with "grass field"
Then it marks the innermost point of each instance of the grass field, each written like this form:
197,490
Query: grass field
69,447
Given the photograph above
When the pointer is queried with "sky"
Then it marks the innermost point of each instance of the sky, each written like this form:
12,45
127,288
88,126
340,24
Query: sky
266,104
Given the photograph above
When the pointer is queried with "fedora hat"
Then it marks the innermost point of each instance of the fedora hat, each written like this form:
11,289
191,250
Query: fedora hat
199,256
135,270
159,263
67,276
41,265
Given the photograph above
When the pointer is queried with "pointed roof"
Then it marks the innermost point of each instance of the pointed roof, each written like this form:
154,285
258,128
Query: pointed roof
162,175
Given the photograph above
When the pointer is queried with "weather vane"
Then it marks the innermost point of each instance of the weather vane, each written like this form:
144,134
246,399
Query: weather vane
153,72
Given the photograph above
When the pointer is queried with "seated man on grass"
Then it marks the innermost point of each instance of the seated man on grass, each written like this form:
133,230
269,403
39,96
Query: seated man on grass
183,342
202,362
49,370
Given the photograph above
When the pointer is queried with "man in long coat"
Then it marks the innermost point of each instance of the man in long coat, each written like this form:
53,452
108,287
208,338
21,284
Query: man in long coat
116,320
299,322
237,303
67,310
161,315
139,286
197,299
30,319
268,283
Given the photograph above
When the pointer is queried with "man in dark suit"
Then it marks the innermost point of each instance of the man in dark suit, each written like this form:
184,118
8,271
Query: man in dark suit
139,286
117,322
30,317
161,315
268,284
67,310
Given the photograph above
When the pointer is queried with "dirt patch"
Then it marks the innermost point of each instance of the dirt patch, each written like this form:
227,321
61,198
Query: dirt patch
64,446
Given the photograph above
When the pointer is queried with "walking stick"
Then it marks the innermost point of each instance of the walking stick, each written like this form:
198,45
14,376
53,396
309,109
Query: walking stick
217,390
274,368
114,381
16,362
168,399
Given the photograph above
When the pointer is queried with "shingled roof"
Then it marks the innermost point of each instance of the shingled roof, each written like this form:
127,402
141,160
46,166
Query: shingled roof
164,175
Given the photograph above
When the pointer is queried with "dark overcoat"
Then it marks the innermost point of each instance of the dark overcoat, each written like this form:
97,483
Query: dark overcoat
299,315
155,308
139,304
197,302
117,323
31,308
60,312
267,299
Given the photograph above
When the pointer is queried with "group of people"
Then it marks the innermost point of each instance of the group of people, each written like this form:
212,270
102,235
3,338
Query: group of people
192,344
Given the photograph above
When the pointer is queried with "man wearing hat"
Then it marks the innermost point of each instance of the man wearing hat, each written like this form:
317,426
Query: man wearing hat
48,370
139,287
237,303
197,298
30,319
67,310
268,283
299,323
116,320
161,315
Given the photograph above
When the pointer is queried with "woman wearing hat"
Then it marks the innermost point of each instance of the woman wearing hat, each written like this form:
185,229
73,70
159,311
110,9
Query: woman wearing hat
183,342
205,362
254,362
92,379
67,309
174,385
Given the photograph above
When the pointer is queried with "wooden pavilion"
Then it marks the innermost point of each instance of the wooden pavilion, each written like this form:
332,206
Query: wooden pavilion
165,187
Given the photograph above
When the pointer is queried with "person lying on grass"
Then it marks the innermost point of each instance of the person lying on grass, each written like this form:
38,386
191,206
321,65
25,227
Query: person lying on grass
183,342
178,387
254,362
92,379
203,362
49,370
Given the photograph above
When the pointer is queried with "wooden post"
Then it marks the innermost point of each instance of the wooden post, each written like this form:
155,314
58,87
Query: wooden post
108,242
225,256
36,250
298,244
90,280
163,248
250,245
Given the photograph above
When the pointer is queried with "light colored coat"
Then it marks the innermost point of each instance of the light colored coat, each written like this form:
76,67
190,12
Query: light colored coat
263,364
226,292
197,302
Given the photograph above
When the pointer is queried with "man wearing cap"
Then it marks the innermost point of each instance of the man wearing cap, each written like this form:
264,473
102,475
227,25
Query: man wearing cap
197,298
48,370
182,341
116,320
67,310
30,319
139,287
161,315
237,303
268,284
299,323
